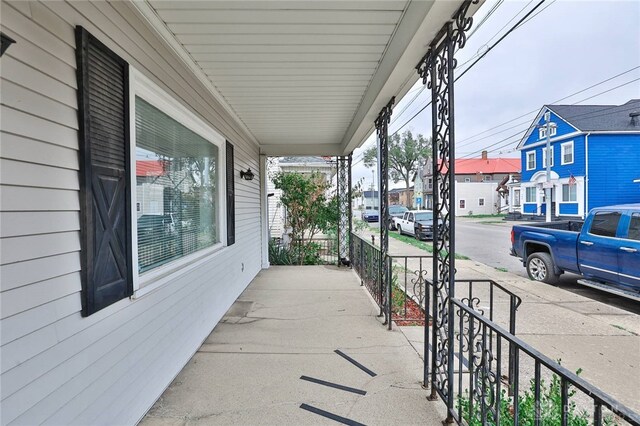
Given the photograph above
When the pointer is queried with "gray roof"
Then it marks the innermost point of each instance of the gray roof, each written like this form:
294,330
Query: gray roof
600,117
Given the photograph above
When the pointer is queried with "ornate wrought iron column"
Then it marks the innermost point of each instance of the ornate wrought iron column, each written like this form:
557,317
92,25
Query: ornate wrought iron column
382,128
436,69
344,207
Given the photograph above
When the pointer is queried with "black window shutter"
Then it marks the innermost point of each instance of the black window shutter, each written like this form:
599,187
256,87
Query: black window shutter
105,183
231,198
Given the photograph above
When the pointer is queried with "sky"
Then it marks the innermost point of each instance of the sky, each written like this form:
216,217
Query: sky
569,46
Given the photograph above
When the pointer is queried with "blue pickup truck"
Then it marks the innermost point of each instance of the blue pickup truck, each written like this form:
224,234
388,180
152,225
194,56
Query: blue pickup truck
604,249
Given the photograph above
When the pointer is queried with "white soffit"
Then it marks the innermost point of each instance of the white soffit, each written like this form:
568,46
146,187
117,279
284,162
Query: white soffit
306,76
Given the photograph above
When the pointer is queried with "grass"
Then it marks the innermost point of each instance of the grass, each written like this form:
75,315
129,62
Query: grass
482,216
501,269
420,244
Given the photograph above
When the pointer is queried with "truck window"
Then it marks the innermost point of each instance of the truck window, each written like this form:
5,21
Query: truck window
605,224
634,227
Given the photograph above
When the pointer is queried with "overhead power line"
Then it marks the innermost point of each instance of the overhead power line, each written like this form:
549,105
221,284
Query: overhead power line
513,28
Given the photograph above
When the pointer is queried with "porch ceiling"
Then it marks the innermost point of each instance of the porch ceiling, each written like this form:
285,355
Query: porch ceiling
303,77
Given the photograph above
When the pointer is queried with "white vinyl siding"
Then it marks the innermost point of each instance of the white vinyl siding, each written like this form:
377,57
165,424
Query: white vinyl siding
58,367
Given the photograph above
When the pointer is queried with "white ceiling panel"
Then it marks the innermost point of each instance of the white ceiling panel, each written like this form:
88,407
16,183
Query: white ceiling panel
303,74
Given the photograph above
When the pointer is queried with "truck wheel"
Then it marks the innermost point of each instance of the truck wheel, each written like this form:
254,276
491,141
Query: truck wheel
540,268
391,226
399,230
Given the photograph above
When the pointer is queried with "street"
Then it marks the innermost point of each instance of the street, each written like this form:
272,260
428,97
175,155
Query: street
488,241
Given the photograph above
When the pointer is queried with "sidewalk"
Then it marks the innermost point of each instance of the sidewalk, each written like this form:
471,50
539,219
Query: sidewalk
287,324
602,340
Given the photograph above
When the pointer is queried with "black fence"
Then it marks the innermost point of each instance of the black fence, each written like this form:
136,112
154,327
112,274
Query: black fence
318,251
367,262
540,391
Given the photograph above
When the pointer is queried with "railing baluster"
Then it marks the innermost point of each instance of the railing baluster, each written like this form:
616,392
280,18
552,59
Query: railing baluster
498,376
516,380
484,366
460,355
471,365
597,414
564,395
536,393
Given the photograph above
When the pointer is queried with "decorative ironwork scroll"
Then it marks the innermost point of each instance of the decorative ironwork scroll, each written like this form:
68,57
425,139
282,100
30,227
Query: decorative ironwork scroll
436,70
344,208
382,128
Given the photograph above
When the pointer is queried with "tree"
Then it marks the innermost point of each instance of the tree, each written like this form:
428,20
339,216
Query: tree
309,210
405,152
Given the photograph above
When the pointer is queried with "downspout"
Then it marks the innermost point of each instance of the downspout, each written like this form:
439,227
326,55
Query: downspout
585,210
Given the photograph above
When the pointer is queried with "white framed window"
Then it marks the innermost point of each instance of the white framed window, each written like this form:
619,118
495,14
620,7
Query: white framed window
544,156
566,151
467,179
480,202
516,198
178,168
463,204
486,178
569,193
531,194
531,160
542,132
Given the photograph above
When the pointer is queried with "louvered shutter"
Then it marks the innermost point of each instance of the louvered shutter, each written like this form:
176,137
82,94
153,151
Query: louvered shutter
231,199
103,111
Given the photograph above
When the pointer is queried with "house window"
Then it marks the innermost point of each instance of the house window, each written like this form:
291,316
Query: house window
487,178
463,204
531,194
481,202
467,179
544,157
177,185
569,193
567,153
542,133
531,160
516,197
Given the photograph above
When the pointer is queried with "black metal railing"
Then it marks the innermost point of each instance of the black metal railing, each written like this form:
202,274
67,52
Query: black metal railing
409,287
554,395
366,262
317,251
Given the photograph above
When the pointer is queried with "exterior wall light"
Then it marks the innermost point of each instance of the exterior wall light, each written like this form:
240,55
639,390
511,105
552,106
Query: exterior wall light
248,175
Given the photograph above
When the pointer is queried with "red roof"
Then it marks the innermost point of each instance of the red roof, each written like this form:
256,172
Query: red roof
149,168
488,166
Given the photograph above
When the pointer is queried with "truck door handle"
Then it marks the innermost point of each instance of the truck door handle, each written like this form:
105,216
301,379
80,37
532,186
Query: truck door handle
628,249
586,243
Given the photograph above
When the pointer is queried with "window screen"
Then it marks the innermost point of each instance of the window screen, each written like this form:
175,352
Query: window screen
605,224
176,189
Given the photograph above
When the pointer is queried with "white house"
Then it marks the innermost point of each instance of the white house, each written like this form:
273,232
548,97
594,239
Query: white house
100,311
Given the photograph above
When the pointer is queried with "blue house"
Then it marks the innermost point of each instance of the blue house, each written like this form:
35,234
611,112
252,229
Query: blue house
595,158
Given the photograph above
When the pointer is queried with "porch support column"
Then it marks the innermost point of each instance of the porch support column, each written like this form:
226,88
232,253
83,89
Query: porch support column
343,173
436,69
382,124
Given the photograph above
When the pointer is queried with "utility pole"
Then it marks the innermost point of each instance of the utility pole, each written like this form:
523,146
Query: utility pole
548,157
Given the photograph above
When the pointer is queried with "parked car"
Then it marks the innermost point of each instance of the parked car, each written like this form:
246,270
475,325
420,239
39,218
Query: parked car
605,249
418,223
370,215
396,211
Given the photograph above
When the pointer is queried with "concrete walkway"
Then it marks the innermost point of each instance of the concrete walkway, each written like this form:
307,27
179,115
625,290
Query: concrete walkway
287,324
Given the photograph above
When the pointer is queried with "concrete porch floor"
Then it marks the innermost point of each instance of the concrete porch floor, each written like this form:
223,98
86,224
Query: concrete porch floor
285,325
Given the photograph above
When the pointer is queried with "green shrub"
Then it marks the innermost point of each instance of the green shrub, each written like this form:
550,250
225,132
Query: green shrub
550,407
